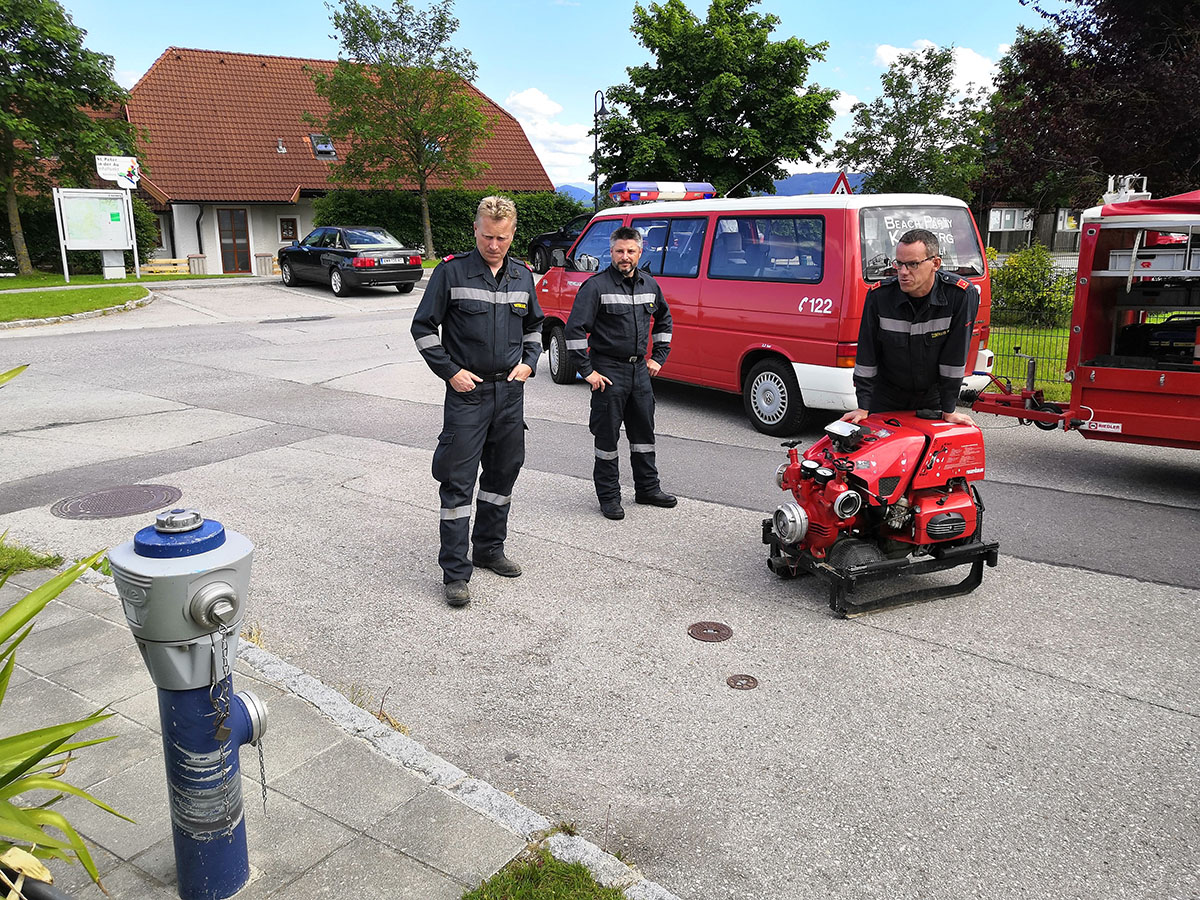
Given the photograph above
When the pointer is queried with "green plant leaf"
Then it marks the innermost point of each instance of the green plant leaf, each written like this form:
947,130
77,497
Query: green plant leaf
5,675
46,783
12,373
20,825
19,746
21,612
57,820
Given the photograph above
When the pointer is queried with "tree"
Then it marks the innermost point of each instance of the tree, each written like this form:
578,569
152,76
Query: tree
722,103
1107,89
918,135
48,84
400,100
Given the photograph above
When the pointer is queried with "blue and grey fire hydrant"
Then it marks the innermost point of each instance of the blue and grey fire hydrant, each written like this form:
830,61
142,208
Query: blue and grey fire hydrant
183,583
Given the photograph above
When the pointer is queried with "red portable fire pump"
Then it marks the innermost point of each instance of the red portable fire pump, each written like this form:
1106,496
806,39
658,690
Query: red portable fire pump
890,496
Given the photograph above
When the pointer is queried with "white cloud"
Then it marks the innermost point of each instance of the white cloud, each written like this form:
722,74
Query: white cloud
562,147
843,103
970,67
126,78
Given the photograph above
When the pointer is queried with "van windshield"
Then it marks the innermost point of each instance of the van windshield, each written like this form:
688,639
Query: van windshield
880,228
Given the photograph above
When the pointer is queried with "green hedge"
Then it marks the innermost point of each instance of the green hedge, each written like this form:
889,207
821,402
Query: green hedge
41,238
451,214
1027,288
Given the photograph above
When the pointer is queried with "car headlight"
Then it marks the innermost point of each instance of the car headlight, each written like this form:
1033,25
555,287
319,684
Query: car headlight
790,523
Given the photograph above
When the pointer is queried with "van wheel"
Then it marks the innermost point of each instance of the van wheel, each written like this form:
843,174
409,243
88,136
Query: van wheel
772,398
562,370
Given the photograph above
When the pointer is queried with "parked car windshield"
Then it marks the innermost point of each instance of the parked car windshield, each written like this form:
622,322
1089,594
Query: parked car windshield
370,239
880,229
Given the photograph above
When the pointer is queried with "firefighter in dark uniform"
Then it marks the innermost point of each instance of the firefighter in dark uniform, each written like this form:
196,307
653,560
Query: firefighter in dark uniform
616,313
915,335
491,337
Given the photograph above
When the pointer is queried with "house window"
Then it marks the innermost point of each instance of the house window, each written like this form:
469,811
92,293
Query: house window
288,230
322,146
1010,220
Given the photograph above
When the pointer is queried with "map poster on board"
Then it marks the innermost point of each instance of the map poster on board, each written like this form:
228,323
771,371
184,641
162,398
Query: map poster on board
95,219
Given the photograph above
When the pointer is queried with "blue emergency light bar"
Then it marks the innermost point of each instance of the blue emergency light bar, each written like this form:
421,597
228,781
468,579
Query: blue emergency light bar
641,191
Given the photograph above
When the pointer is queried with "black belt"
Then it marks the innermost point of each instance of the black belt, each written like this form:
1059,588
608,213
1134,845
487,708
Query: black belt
624,359
494,377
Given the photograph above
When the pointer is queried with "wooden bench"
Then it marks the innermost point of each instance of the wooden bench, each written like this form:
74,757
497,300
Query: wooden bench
165,267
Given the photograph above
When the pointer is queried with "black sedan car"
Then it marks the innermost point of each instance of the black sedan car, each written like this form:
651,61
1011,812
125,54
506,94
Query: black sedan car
542,246
350,256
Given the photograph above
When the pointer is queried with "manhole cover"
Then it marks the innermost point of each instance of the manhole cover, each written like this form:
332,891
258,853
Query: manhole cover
742,682
114,502
710,631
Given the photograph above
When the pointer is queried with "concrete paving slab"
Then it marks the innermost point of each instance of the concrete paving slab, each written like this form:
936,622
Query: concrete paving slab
59,647
36,702
56,612
367,870
113,676
141,708
131,743
34,453
38,398
74,879
329,782
144,433
441,832
139,792
296,734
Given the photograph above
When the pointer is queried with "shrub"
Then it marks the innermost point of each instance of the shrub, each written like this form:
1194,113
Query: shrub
451,213
1027,288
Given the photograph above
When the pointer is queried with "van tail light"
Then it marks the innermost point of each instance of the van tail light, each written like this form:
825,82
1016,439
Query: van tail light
846,354
363,262
414,260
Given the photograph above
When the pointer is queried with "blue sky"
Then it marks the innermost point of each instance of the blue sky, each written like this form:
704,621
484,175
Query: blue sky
543,60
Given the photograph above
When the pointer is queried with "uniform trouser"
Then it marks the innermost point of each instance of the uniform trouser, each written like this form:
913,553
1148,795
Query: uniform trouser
486,425
886,398
629,399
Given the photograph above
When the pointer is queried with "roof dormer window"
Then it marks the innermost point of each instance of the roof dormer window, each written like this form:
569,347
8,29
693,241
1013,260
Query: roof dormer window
322,146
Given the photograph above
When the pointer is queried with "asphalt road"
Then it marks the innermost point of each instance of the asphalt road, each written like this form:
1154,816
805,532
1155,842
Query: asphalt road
1036,738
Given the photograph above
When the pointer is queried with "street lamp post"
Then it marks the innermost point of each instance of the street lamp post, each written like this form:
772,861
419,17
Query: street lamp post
599,111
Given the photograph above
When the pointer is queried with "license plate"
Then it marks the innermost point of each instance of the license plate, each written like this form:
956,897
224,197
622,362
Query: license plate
392,262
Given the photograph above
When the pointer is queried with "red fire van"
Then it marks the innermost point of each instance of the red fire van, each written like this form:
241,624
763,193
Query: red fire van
766,293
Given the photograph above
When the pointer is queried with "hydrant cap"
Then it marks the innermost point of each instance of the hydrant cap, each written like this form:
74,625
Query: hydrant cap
173,544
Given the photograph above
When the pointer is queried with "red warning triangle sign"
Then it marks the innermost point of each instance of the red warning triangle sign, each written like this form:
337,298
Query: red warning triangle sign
842,185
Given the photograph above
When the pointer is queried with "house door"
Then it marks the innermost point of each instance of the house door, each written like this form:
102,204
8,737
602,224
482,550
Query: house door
235,240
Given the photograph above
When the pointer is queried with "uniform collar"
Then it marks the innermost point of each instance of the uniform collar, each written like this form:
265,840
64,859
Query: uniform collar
615,274
478,267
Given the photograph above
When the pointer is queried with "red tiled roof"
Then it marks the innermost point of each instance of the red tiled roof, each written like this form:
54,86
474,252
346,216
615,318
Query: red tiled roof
214,120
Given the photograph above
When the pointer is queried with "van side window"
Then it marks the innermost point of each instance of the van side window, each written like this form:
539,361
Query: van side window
769,248
654,238
682,253
594,243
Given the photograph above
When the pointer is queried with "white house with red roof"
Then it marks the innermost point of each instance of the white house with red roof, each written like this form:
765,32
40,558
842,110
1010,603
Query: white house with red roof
232,167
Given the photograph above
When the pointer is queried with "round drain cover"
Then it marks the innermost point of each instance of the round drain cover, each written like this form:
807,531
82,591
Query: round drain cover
742,682
114,502
710,631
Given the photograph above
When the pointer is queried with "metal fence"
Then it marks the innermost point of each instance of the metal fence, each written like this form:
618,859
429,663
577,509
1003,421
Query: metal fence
1033,319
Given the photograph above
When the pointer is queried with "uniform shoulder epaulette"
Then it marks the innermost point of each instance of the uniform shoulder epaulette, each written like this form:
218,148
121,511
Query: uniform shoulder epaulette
447,258
874,285
964,284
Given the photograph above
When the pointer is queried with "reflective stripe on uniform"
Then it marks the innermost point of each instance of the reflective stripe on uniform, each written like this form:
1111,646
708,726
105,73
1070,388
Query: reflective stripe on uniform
497,297
641,448
457,512
903,326
426,342
865,371
577,345
606,454
494,499
952,371
663,337
616,300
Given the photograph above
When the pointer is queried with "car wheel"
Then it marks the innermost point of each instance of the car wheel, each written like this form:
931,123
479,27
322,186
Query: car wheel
337,283
771,397
562,370
286,273
541,260
405,288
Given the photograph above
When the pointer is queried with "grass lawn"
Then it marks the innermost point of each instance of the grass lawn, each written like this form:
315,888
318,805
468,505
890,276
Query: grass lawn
1049,345
41,304
51,279
15,558
537,875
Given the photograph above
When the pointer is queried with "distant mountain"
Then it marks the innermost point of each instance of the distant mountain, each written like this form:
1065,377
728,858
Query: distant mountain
816,182
575,192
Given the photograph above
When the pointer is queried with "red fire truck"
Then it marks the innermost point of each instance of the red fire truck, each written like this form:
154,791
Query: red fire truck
1134,360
